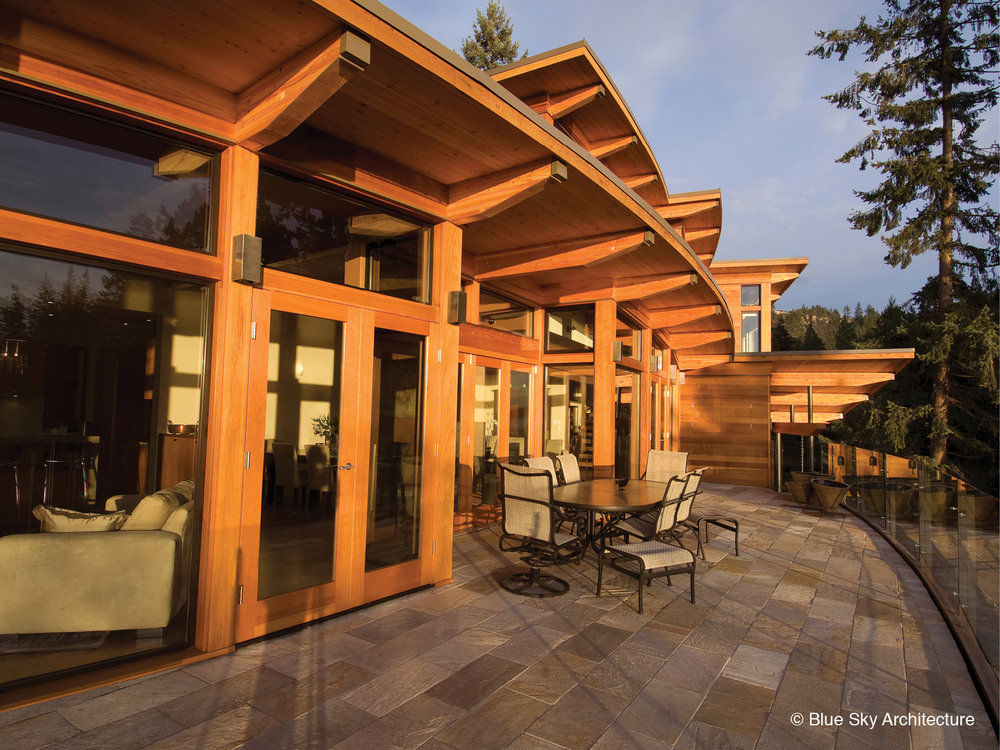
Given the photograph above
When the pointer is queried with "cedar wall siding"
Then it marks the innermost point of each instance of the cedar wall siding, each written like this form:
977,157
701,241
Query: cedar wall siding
725,426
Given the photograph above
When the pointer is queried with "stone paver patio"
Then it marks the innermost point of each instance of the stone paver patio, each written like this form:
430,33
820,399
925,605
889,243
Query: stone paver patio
816,615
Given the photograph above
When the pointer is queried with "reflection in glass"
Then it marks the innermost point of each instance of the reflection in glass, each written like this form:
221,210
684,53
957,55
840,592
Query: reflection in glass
301,439
520,407
751,332
569,329
100,399
485,435
504,315
397,433
308,231
626,424
750,295
630,338
569,416
86,171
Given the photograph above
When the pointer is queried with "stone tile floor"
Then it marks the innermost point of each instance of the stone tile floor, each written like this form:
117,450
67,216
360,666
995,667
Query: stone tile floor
815,615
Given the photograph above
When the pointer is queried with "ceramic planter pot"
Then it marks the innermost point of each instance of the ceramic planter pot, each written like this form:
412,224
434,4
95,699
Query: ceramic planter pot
805,476
800,491
829,492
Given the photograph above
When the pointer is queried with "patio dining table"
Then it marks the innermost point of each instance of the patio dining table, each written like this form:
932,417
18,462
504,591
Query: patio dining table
604,496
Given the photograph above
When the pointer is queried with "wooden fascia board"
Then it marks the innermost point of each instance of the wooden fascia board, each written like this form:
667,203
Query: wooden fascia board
801,398
486,196
609,146
641,287
567,102
680,341
562,255
780,415
640,181
673,211
830,379
680,315
274,106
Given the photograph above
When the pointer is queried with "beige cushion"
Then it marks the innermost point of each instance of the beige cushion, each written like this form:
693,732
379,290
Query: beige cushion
62,520
152,512
177,522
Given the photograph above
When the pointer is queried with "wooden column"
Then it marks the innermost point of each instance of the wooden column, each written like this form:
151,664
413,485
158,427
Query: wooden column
766,306
227,393
443,420
536,431
645,400
604,388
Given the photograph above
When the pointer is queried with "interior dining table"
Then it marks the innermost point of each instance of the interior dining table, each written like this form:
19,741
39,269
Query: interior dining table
606,496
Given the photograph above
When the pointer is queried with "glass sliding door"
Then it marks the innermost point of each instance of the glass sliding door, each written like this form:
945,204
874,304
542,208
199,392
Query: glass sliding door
569,413
396,443
485,435
520,408
626,424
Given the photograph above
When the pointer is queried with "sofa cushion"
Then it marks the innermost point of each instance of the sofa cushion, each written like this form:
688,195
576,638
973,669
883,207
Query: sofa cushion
152,511
177,522
63,520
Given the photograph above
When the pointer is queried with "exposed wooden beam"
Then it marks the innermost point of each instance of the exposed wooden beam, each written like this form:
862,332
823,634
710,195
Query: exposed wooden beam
640,181
680,315
829,379
584,252
690,340
562,104
640,287
694,235
604,149
777,278
482,197
819,399
818,416
684,210
274,106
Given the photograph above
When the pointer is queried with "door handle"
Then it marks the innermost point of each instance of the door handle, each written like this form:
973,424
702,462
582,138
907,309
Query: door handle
346,467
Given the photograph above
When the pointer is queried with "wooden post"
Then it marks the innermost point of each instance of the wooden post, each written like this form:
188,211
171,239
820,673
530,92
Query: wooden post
604,388
227,393
444,375
536,429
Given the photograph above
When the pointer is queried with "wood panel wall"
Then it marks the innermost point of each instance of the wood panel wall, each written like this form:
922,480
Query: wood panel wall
725,425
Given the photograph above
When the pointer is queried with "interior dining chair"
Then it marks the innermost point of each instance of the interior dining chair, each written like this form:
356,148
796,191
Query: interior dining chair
655,557
529,526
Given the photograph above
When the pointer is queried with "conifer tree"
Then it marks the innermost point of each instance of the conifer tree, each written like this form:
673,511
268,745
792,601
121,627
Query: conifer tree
811,342
492,42
933,81
781,339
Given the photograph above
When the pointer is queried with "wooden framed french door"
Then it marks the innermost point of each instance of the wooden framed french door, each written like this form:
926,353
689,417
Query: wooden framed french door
332,509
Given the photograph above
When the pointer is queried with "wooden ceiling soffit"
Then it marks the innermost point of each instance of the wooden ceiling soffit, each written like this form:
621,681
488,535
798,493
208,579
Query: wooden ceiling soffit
676,211
274,106
609,146
678,316
700,338
569,254
641,181
486,196
641,287
555,106
830,379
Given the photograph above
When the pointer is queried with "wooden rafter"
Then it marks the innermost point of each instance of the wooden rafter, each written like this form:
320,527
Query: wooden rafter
640,287
690,340
680,315
585,252
695,235
683,210
640,181
829,379
482,197
274,106
562,104
609,146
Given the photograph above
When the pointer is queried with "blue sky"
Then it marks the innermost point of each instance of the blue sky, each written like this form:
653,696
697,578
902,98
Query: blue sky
728,99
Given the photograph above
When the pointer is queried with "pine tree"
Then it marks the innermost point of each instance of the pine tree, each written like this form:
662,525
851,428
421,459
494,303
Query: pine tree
811,342
492,42
781,339
846,336
933,82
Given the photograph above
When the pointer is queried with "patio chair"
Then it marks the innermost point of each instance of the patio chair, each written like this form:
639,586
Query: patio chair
569,468
529,526
643,525
652,558
701,521
661,465
543,463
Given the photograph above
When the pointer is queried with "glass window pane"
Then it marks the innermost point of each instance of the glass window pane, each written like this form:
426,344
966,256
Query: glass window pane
308,231
301,440
98,174
520,407
504,315
626,423
397,434
569,413
751,332
750,294
485,435
630,337
100,398
569,329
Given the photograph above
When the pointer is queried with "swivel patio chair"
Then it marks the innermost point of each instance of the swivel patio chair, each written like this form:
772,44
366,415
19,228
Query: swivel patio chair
529,526
653,558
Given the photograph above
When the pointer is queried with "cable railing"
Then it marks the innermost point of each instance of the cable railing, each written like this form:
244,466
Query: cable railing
948,531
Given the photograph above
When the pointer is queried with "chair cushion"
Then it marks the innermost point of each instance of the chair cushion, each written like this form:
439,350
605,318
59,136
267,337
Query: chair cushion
656,554
152,511
63,520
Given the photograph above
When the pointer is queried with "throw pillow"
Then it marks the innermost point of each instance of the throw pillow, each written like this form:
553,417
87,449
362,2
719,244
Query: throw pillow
62,520
151,512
